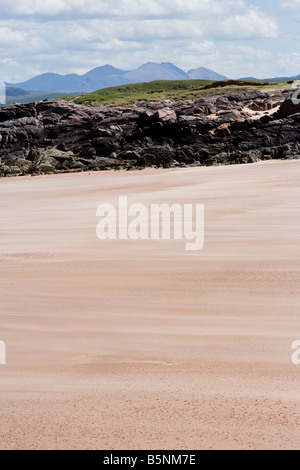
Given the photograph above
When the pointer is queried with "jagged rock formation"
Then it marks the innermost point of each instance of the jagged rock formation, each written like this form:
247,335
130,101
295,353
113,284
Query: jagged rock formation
237,127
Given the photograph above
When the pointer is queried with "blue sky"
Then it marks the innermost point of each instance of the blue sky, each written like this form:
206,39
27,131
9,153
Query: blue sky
234,37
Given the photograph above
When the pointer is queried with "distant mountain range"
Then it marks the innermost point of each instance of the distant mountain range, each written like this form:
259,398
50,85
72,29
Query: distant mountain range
18,95
108,76
51,85
276,79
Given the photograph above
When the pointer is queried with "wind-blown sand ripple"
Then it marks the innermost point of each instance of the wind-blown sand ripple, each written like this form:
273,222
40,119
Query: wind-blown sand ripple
143,345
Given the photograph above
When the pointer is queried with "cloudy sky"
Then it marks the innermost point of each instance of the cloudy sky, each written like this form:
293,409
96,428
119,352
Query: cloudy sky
233,37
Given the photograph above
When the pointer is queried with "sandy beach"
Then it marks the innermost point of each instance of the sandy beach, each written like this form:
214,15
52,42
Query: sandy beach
141,344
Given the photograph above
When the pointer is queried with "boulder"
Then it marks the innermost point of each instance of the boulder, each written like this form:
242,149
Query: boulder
288,108
165,114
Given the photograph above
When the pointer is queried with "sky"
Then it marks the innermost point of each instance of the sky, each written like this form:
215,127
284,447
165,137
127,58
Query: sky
237,38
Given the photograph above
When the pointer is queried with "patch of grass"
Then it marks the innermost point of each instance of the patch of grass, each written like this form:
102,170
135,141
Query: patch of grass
158,90
174,90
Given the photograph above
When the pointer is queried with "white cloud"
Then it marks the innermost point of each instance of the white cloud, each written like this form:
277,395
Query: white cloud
75,35
257,62
290,65
121,8
292,7
11,38
252,24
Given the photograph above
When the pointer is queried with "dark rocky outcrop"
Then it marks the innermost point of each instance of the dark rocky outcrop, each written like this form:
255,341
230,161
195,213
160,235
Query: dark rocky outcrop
237,127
